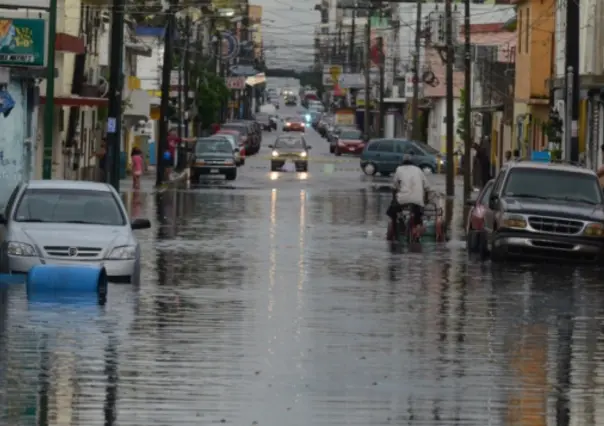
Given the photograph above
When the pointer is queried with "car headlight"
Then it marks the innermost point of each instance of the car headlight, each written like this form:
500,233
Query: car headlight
441,161
307,117
123,253
15,248
228,162
303,154
287,123
275,154
513,221
594,230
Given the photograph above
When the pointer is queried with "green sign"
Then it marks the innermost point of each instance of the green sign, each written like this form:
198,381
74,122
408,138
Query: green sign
22,42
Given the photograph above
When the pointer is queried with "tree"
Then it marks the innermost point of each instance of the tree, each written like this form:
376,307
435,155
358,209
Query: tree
211,93
461,116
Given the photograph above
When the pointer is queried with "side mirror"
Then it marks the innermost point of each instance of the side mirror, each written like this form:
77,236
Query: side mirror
493,200
140,223
270,146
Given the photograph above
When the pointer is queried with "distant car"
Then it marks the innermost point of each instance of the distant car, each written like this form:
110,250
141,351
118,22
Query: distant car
213,156
264,120
240,142
385,155
234,140
291,101
290,148
478,205
294,124
334,135
350,141
69,222
248,135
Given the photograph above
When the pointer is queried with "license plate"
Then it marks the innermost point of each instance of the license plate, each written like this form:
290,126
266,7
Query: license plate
351,149
214,170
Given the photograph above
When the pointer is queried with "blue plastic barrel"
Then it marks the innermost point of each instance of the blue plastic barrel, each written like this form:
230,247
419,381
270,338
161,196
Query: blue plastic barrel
67,282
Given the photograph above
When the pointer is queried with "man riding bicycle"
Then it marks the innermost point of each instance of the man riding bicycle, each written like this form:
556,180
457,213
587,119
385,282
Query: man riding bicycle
411,189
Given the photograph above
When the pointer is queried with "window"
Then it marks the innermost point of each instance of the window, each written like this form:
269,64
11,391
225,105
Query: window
386,146
290,143
61,205
350,134
553,184
527,30
499,182
520,29
486,194
427,148
11,201
374,146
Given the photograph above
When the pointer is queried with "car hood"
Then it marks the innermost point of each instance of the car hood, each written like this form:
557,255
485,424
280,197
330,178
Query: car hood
555,208
69,234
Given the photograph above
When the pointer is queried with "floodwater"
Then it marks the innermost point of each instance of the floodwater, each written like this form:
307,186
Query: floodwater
274,300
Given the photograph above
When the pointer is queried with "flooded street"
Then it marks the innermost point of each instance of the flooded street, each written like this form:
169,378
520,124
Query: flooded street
273,300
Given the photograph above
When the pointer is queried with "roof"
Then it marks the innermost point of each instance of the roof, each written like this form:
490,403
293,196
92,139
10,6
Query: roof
69,184
549,166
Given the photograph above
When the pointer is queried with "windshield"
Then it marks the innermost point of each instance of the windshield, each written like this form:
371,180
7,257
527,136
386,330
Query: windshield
213,146
427,148
230,138
350,134
553,184
293,119
289,144
69,206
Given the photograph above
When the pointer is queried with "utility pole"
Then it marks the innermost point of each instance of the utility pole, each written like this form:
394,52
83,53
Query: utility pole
351,59
382,65
449,106
49,107
187,73
572,67
415,130
114,113
467,152
165,94
367,79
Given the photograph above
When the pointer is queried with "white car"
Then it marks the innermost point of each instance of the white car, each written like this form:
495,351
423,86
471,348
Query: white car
64,222
239,161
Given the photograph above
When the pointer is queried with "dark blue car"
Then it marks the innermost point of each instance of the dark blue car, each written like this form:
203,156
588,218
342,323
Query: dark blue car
383,156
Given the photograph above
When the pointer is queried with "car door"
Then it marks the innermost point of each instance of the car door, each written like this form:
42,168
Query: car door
481,206
10,204
489,217
388,157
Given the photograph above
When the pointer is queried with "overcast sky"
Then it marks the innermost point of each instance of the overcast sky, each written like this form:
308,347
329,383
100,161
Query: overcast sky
288,30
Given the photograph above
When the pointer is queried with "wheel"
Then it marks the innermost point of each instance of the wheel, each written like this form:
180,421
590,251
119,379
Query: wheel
497,255
231,175
481,244
369,169
331,149
427,169
337,152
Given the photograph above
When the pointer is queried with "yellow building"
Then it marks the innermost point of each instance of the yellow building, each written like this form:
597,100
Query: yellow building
255,17
534,50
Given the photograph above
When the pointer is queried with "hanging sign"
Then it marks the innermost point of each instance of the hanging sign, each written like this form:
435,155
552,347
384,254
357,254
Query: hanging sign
22,42
229,46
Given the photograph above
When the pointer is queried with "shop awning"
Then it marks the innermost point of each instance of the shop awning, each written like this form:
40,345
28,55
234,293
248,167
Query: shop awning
76,101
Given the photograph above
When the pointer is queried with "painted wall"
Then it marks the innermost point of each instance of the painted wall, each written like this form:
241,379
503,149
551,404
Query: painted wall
437,128
534,49
12,139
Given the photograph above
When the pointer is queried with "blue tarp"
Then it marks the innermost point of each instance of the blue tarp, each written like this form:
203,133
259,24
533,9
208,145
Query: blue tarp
541,156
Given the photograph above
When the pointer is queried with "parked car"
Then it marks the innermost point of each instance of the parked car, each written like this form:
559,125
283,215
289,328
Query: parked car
478,204
240,142
290,148
213,156
264,120
294,124
324,121
69,222
349,141
385,155
546,211
248,136
291,101
234,140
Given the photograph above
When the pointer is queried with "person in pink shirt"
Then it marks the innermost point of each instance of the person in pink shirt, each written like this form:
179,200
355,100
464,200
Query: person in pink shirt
138,166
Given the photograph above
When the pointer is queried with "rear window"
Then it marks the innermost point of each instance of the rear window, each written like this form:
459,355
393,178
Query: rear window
63,205
350,134
213,146
242,128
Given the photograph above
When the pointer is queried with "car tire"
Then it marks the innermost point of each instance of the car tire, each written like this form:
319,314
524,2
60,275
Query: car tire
337,152
231,175
481,244
370,169
331,149
427,169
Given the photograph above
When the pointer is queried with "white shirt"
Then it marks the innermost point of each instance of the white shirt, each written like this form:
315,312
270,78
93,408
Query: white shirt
411,184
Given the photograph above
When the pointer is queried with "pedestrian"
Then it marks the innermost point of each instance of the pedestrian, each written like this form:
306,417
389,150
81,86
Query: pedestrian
215,128
169,155
508,157
600,171
138,166
101,161
484,163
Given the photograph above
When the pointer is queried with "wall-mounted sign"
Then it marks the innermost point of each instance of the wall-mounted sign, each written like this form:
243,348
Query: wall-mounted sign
22,42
